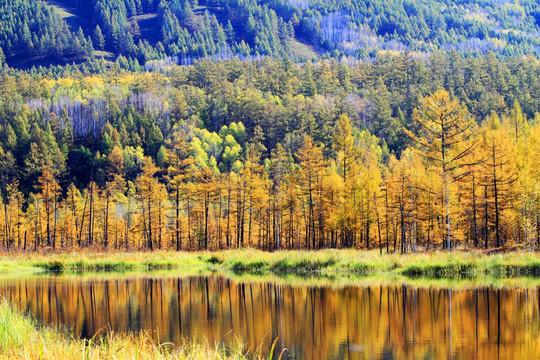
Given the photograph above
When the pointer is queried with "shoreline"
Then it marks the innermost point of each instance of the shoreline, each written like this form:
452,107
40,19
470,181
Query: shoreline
23,337
433,264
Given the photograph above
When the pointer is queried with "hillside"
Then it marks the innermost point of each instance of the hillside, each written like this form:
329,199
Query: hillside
33,32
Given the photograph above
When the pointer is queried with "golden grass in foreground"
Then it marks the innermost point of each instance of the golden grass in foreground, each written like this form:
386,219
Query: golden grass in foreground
22,338
438,263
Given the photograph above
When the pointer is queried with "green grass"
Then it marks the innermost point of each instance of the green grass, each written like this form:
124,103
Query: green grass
70,15
21,337
358,261
108,56
433,264
302,51
78,261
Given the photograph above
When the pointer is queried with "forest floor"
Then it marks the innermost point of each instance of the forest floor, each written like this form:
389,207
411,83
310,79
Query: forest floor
22,337
431,264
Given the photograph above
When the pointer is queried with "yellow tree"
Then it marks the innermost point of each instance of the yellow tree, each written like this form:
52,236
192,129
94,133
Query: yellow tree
252,174
444,127
517,122
333,197
369,180
32,214
178,161
529,186
7,166
114,188
344,146
500,170
207,188
312,166
280,167
50,190
73,203
403,186
89,203
228,185
148,193
16,199
347,165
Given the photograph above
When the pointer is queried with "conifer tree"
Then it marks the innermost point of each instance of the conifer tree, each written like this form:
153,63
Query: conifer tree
445,126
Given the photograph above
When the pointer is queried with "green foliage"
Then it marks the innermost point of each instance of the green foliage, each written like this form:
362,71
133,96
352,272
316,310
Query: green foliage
31,30
147,31
231,107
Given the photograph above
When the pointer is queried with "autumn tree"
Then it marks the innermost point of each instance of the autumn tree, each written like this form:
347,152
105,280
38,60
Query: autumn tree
148,193
310,173
445,126
115,187
50,190
178,161
344,145
207,188
280,167
500,172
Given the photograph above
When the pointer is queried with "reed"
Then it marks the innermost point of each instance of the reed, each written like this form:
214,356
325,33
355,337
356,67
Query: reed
21,337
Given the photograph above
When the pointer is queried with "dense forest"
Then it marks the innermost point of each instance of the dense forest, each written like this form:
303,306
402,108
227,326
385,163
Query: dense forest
398,153
35,32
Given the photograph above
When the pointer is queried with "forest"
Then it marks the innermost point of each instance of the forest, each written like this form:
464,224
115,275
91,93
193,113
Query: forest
400,154
249,179
148,32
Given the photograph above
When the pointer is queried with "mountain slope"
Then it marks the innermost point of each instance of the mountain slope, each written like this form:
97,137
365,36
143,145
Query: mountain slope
67,30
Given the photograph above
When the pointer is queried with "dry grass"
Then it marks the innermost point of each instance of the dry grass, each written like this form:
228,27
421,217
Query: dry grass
23,338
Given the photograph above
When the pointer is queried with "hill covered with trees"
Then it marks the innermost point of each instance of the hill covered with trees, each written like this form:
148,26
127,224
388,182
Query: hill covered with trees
400,153
34,32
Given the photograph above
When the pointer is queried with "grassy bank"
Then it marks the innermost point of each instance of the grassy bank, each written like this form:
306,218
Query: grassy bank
332,280
99,261
23,338
356,261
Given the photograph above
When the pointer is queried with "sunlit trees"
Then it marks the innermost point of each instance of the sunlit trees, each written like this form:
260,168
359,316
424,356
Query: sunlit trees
227,141
445,127
500,172
310,174
149,194
7,163
50,190
178,161
73,205
112,191
280,167
529,188
369,181
207,188
405,196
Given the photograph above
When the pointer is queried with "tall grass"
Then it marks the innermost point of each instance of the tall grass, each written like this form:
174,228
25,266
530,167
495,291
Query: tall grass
356,261
21,337
105,261
359,261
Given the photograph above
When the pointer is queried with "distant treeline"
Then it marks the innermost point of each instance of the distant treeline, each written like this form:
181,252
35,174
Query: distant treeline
144,30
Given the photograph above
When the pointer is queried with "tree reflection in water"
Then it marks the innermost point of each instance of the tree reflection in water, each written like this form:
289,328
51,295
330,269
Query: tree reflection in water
315,322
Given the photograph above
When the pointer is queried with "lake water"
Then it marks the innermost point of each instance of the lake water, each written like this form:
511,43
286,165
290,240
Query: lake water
311,319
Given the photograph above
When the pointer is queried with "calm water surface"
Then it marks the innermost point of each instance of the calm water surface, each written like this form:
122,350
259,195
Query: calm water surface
311,322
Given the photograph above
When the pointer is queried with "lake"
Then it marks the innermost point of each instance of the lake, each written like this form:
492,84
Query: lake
311,318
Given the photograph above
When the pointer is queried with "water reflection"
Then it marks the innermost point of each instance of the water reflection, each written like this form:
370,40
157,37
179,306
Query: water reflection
352,322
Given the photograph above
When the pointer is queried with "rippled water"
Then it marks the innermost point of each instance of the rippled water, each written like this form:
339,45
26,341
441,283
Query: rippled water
316,321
